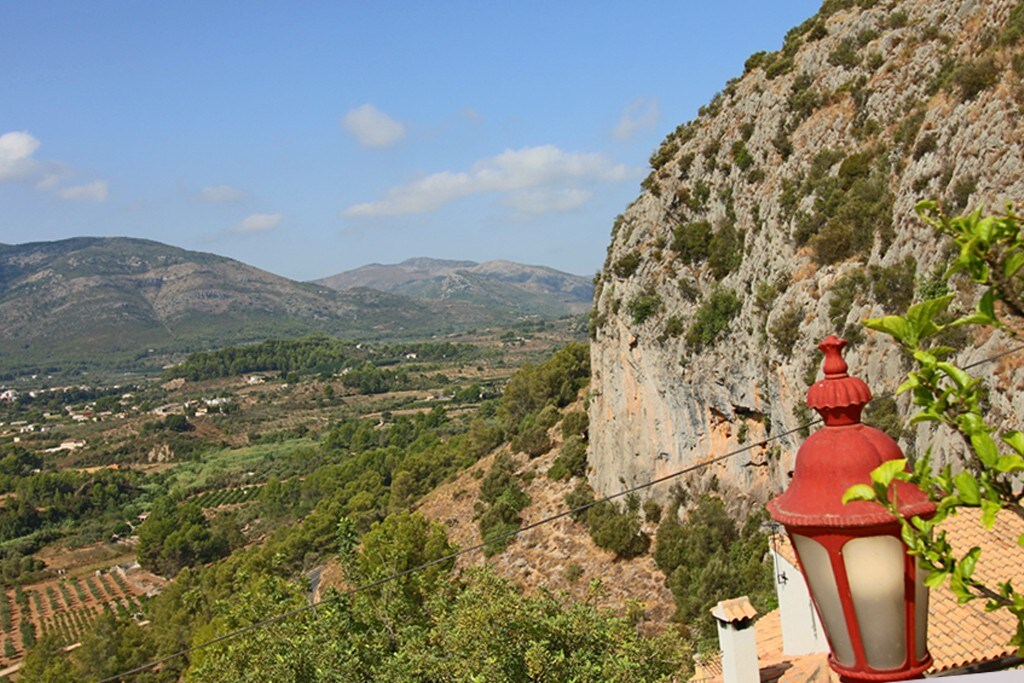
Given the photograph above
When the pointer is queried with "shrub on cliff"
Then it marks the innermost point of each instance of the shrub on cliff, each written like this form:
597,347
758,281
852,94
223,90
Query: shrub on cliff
708,558
618,530
713,318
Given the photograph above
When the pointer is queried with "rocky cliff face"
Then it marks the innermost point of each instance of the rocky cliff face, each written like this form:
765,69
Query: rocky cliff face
785,212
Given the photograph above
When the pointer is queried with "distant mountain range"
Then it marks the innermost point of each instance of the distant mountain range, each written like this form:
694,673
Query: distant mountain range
118,301
500,285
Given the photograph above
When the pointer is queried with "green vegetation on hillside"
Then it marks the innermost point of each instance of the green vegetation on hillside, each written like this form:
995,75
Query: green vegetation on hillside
707,558
348,493
313,355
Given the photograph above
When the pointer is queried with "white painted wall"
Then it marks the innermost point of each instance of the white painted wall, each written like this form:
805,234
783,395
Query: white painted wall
739,652
802,632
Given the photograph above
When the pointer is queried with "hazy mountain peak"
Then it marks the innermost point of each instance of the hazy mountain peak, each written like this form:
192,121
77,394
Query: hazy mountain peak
498,284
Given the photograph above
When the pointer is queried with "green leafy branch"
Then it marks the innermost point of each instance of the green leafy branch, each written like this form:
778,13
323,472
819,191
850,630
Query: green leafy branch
991,254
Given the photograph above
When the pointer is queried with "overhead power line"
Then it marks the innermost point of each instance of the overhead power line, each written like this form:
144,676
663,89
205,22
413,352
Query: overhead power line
502,537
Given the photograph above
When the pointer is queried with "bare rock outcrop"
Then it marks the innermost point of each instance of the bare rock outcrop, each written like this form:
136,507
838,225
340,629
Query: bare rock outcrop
785,212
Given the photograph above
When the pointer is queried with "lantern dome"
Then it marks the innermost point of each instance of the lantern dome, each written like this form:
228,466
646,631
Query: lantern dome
841,454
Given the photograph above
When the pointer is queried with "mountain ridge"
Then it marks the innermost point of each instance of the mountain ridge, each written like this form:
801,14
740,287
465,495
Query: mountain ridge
527,289
82,298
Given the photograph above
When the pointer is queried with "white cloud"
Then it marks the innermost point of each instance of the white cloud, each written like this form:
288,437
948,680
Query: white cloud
52,176
371,127
220,194
640,114
96,191
533,167
16,150
543,200
257,222
19,163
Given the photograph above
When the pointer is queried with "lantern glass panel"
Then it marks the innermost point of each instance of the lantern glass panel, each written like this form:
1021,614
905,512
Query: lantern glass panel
875,570
818,568
920,612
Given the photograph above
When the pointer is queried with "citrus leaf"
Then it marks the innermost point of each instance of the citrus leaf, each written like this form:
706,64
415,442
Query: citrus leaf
887,471
1013,264
892,325
989,510
967,486
985,447
1015,440
858,492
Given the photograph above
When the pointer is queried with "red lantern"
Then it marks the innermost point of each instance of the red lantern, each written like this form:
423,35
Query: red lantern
866,587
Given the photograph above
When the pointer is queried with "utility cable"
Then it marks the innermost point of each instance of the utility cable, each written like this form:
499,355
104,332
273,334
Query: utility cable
499,538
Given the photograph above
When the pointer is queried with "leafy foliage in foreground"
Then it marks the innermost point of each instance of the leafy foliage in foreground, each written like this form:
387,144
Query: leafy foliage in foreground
991,255
426,626
478,627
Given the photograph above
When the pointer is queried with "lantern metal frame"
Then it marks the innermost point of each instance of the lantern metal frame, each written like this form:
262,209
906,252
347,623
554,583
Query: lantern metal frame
831,460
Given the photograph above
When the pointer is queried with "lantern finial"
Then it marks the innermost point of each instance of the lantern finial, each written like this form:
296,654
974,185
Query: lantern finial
838,398
835,367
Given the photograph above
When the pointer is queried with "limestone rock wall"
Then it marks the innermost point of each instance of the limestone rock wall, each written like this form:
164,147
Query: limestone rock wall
794,190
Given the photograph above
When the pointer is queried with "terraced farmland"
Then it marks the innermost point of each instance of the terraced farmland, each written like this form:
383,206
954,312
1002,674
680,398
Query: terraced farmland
64,608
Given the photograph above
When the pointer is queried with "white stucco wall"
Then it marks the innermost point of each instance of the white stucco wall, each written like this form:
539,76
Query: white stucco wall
802,632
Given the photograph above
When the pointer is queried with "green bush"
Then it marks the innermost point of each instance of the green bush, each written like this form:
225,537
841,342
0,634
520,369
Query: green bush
575,423
725,251
707,558
617,530
548,416
578,499
944,77
571,460
853,168
557,381
1014,27
778,67
177,423
845,54
532,440
786,329
843,293
974,77
713,318
665,152
865,36
501,476
741,156
754,61
503,498
643,307
652,511
906,132
626,265
898,19
893,286
691,241
928,143
674,327
960,193
803,98
849,210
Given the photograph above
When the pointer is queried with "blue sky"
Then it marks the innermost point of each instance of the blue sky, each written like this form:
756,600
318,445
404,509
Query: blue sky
307,138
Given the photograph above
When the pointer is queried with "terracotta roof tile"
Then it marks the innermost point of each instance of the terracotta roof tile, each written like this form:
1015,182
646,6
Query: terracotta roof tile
959,635
737,609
